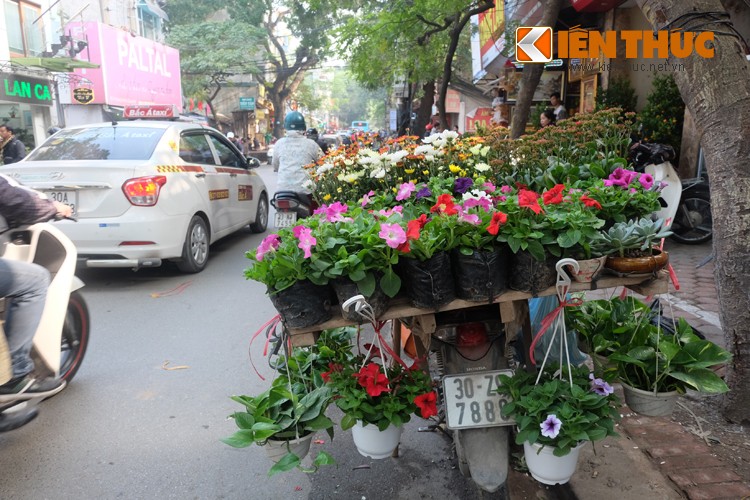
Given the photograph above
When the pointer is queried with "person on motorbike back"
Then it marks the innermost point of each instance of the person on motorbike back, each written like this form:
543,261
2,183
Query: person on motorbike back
25,284
313,134
291,153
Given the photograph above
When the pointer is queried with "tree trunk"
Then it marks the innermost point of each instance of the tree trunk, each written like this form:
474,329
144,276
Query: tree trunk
425,108
532,73
717,93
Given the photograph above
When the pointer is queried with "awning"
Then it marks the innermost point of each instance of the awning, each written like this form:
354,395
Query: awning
154,8
59,64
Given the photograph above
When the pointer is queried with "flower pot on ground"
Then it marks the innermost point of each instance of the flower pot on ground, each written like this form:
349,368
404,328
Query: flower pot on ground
660,404
479,276
548,468
303,304
374,443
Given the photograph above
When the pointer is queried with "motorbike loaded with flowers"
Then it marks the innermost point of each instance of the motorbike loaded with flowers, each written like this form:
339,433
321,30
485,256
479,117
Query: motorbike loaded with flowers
439,243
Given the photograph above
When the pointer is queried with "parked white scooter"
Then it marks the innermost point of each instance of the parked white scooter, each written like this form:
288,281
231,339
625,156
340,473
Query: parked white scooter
63,334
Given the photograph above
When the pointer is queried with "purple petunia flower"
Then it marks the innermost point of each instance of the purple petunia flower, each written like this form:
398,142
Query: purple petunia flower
646,181
551,426
599,386
424,193
462,184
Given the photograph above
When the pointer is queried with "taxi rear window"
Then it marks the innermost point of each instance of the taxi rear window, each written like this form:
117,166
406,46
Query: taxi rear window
100,143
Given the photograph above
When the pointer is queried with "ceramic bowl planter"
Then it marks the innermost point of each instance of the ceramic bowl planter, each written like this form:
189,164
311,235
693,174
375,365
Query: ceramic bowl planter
374,443
588,269
638,265
303,304
546,468
277,448
647,403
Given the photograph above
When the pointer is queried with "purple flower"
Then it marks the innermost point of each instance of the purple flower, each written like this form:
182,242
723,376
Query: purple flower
646,181
404,191
551,426
462,184
599,386
424,193
618,177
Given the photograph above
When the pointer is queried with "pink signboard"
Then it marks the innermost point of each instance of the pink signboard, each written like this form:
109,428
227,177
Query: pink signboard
133,69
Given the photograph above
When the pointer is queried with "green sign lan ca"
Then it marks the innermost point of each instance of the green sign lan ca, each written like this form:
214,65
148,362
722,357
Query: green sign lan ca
20,88
247,103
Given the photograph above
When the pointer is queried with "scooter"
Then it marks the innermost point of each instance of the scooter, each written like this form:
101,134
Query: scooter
290,206
62,337
686,203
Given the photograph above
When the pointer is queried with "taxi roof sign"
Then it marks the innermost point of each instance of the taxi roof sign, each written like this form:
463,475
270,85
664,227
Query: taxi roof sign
152,111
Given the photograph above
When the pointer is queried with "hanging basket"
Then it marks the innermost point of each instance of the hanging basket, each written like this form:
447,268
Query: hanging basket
429,283
661,404
346,289
374,443
530,275
303,304
481,276
277,448
548,468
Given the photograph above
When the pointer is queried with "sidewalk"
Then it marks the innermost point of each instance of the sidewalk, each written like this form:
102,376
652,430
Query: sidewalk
659,457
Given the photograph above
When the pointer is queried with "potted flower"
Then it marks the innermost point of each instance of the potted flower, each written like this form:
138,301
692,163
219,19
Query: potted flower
296,286
625,195
283,420
557,415
377,402
631,246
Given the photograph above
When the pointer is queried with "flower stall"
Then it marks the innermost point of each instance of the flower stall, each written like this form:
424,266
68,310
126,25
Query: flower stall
423,226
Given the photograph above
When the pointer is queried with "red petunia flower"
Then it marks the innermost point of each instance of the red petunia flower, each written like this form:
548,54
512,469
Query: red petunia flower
444,205
529,199
374,382
332,367
498,218
427,404
590,202
554,195
413,227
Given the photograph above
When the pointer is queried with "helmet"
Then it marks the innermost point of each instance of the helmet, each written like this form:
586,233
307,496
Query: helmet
230,135
294,121
312,133
53,130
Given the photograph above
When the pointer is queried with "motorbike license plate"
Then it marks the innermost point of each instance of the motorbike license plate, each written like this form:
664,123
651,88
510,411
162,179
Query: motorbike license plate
471,400
68,197
285,219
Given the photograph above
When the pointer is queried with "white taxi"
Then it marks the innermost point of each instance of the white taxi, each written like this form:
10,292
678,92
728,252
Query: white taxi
147,191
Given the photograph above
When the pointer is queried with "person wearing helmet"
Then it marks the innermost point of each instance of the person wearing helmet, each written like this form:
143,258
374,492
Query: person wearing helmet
291,153
313,134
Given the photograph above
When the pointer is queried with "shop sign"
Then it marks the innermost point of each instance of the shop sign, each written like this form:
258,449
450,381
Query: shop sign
20,88
247,103
83,95
481,116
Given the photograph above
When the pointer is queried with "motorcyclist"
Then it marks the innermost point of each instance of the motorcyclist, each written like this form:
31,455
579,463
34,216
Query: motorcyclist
291,153
26,284
313,134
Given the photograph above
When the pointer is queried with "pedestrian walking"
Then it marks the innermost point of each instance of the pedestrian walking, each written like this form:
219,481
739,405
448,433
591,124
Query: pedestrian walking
13,150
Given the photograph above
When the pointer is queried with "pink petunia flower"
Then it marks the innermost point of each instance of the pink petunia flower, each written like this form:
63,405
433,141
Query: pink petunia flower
366,198
489,186
269,244
646,181
506,189
464,216
393,234
404,191
306,239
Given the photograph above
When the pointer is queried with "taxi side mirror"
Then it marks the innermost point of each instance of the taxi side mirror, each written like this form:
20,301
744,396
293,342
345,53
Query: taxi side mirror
253,162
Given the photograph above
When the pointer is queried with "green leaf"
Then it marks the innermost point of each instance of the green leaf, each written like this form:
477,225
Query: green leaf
390,283
287,463
347,422
367,284
240,439
324,458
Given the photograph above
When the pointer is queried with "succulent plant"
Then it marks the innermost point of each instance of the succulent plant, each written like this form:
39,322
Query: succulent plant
630,239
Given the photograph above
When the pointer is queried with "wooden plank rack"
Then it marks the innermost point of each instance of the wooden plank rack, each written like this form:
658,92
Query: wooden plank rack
513,305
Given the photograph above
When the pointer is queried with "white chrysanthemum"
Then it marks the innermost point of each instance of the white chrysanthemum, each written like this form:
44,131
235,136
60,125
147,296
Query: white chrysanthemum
378,173
449,134
475,194
481,167
323,169
484,151
348,162
424,149
308,184
429,139
475,149
397,156
350,178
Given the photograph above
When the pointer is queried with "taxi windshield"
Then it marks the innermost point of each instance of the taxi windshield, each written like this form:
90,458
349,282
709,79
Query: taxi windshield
99,143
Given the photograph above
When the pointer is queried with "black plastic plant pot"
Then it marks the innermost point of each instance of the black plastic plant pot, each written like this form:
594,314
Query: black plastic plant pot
346,289
530,275
481,276
429,283
303,304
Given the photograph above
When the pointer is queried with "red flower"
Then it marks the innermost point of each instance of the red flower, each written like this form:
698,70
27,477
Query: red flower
332,367
444,205
413,227
374,382
404,247
590,202
427,404
529,199
497,219
554,195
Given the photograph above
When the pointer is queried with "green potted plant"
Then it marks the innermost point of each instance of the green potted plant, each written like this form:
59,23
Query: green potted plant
296,284
631,246
283,420
377,401
557,415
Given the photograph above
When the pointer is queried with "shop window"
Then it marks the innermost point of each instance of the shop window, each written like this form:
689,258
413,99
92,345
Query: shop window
25,38
148,24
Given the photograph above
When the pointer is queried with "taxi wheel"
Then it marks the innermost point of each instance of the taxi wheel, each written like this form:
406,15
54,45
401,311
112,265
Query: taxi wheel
195,250
261,215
